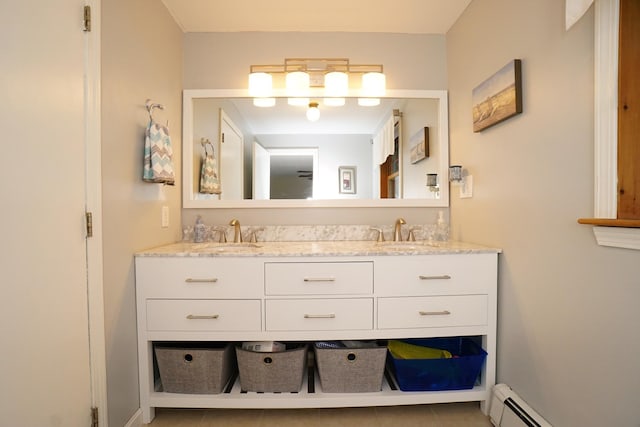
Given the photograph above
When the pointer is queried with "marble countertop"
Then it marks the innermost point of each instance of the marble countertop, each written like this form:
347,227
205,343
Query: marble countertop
314,248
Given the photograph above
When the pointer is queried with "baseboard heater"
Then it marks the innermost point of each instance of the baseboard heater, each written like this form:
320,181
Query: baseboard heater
509,410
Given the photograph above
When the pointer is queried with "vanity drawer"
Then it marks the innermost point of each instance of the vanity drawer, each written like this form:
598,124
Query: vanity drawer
199,277
319,314
435,274
430,312
203,315
318,278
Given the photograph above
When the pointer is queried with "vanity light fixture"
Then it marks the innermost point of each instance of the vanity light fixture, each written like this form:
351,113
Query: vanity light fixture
461,179
313,113
303,75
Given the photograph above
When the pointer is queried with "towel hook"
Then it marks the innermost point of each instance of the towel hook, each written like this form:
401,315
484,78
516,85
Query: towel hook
151,106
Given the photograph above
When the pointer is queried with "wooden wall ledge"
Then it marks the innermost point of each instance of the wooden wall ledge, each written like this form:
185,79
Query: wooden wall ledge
608,222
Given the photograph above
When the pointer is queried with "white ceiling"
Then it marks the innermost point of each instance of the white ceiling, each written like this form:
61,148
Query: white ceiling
378,16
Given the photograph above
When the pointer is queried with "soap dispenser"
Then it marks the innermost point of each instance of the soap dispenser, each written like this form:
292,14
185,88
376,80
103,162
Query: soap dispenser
199,231
442,228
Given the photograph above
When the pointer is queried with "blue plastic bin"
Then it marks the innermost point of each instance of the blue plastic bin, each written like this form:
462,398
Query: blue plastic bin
458,373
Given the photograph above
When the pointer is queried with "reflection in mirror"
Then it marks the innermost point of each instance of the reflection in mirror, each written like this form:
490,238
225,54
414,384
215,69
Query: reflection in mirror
270,157
284,173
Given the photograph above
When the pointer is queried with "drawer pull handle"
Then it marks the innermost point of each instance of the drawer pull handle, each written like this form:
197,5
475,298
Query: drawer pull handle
320,316
444,276
319,279
197,317
435,313
190,280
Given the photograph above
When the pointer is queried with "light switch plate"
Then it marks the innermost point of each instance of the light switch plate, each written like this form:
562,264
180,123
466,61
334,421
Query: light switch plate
466,189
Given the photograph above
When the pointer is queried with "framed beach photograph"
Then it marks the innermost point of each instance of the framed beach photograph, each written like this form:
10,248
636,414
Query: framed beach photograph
499,97
347,179
419,144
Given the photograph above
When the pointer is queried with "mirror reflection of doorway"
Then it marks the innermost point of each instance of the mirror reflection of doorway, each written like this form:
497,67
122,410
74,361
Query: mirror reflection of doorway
285,173
291,177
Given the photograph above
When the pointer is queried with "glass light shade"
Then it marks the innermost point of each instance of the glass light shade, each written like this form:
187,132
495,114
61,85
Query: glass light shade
298,102
432,180
455,173
313,113
368,102
373,85
336,84
336,87
260,85
297,86
334,102
297,83
264,102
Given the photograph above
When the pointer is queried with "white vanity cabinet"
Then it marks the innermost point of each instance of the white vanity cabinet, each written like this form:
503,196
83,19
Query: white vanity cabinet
308,298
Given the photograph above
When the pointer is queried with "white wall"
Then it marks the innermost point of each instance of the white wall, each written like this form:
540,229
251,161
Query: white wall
568,314
141,58
222,60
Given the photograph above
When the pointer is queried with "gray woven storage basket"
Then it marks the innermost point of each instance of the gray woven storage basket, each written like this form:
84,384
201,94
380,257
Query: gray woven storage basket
281,371
351,370
195,370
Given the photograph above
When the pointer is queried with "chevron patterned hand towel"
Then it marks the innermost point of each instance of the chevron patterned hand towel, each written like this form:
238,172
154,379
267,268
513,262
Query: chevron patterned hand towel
158,155
209,181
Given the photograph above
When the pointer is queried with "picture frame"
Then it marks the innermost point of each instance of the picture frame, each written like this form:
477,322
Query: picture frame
498,98
347,179
419,144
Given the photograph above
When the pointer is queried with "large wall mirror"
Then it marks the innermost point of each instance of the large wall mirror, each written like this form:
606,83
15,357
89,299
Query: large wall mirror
276,157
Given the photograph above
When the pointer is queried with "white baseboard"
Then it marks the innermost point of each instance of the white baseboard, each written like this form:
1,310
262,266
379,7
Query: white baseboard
135,420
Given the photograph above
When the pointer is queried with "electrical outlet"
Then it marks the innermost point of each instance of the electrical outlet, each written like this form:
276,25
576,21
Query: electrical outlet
165,216
466,189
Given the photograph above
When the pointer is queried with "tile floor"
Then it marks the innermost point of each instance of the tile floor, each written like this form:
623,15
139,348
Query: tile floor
437,415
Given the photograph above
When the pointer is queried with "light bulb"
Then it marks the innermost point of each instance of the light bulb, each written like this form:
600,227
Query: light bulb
313,113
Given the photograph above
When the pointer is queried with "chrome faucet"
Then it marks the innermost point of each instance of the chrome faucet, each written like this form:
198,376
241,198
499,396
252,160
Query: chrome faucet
397,234
237,231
